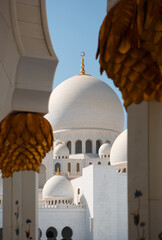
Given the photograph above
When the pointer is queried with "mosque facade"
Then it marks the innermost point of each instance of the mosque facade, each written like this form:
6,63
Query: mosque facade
82,191
83,181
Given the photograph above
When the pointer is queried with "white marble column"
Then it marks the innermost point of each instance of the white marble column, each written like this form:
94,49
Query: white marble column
73,147
145,167
20,197
94,146
84,146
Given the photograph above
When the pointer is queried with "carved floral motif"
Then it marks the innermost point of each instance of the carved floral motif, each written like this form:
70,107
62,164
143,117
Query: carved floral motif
140,226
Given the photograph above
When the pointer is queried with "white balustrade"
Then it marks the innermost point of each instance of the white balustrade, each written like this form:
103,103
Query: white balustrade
52,204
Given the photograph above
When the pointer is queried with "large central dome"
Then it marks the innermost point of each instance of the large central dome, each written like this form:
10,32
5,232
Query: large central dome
83,102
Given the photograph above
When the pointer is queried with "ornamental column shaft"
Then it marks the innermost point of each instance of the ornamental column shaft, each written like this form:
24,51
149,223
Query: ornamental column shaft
24,140
145,166
131,55
21,206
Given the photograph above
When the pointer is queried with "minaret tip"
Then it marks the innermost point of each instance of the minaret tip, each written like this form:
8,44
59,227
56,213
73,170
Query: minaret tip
82,71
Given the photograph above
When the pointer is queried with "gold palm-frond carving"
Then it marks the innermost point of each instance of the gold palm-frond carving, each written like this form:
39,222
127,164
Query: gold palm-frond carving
130,49
25,138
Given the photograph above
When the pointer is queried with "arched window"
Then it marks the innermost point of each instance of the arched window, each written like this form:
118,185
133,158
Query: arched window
88,146
90,163
98,144
69,146
99,163
78,147
67,233
42,176
69,167
57,167
78,167
51,233
39,234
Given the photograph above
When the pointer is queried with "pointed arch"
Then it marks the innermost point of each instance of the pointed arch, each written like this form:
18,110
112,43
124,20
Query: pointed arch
88,146
98,144
57,166
77,167
69,167
67,233
78,146
69,146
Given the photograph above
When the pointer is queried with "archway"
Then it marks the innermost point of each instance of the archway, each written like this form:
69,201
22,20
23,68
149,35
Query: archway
51,233
69,146
39,234
69,167
98,144
57,167
78,167
88,146
78,146
67,233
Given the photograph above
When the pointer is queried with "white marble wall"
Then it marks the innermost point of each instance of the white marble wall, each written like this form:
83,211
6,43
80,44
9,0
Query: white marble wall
105,193
86,134
60,218
88,199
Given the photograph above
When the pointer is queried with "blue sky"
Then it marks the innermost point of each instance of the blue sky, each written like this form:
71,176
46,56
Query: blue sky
74,26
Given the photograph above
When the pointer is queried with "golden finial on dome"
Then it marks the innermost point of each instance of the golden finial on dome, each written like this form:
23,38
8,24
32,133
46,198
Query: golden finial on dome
82,71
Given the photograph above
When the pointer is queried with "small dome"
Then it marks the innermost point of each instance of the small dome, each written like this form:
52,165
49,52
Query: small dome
104,150
61,150
58,188
57,142
118,154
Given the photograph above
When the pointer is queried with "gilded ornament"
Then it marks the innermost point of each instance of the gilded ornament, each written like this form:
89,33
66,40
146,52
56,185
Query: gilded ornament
130,49
25,138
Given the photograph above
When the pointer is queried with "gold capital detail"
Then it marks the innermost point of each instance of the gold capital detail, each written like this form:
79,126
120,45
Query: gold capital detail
130,49
25,138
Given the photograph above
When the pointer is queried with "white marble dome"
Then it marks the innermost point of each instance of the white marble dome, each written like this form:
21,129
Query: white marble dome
58,188
83,102
61,150
104,150
118,154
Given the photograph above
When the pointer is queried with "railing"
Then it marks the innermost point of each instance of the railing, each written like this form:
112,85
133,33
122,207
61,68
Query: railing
70,174
60,205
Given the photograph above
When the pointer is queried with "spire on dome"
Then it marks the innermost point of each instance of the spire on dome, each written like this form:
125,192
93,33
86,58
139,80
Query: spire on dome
82,71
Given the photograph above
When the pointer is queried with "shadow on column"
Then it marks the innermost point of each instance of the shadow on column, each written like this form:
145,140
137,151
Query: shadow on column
1,229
